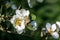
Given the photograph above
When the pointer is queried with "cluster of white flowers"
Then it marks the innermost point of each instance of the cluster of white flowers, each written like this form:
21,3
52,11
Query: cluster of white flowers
52,29
18,20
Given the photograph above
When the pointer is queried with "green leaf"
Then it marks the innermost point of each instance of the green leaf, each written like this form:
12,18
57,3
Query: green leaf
33,16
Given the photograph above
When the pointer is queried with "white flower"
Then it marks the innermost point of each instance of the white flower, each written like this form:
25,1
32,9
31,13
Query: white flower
19,20
58,23
55,35
22,12
18,23
50,27
34,24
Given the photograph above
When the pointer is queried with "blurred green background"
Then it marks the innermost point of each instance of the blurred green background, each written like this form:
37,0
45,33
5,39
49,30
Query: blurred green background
47,11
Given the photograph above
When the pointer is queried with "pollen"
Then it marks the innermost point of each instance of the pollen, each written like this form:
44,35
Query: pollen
50,31
17,22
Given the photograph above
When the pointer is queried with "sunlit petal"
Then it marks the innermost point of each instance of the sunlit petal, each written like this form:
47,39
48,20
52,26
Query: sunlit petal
19,31
58,23
53,27
18,12
55,35
48,26
12,20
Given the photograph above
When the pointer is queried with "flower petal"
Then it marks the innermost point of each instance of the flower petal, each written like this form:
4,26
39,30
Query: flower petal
55,35
29,3
53,27
18,12
19,31
12,20
27,13
23,25
48,26
24,12
58,23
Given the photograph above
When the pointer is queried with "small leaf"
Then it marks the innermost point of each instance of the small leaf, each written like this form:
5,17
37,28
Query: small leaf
33,16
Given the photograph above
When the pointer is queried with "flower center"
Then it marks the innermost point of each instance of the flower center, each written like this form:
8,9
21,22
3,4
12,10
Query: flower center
50,31
17,22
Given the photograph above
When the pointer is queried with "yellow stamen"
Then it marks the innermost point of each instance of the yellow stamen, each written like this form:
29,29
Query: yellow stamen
50,31
17,22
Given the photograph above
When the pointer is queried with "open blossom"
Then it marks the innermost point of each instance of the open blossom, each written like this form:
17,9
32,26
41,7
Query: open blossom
18,23
19,20
51,29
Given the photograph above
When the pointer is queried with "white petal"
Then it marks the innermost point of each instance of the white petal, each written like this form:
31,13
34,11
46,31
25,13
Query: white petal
18,12
20,27
58,23
53,27
27,13
23,25
48,26
12,19
23,11
19,31
29,3
16,27
55,35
